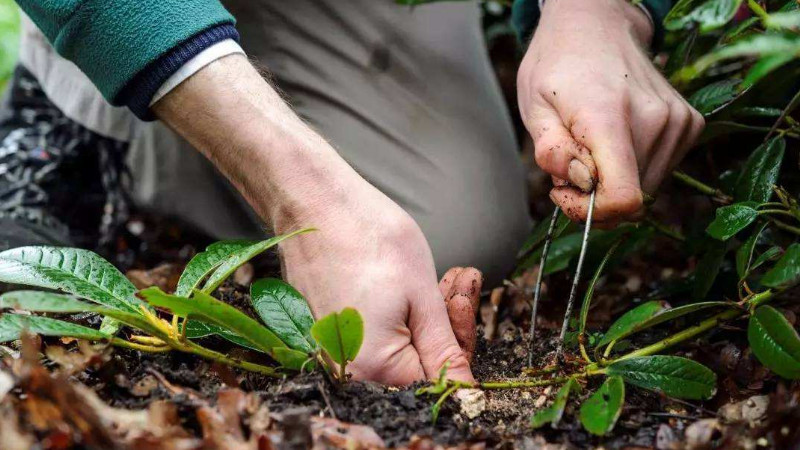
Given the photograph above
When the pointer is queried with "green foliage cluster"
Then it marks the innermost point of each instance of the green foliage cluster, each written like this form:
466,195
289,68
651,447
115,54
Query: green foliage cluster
287,332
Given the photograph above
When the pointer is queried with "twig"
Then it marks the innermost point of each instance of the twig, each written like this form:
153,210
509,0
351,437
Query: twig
537,293
576,279
327,400
703,188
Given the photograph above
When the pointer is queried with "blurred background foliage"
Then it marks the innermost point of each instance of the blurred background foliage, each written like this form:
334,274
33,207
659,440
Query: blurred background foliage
9,39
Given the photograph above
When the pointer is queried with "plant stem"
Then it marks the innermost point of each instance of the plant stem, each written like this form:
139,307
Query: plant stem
191,347
665,230
776,211
786,111
511,384
691,332
758,10
784,226
702,187
140,347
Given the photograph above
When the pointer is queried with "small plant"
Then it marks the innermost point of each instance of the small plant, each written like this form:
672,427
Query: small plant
92,284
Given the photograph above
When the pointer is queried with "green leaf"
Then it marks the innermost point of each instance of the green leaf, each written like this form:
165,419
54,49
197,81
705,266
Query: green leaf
774,342
708,268
710,15
293,359
757,45
711,98
110,326
587,298
625,325
211,310
758,111
340,334
204,262
732,219
766,65
562,250
12,326
554,412
786,19
744,255
539,233
41,301
284,311
75,271
600,412
664,315
236,259
673,375
786,271
682,53
769,254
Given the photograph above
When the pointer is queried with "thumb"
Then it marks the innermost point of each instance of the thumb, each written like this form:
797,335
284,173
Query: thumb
461,289
558,152
433,337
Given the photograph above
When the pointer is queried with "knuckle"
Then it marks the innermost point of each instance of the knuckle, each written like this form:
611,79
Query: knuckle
657,114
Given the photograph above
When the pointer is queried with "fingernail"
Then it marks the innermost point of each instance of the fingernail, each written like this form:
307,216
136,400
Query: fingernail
580,176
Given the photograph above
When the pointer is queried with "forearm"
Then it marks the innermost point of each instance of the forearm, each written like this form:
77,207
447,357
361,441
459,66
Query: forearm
282,167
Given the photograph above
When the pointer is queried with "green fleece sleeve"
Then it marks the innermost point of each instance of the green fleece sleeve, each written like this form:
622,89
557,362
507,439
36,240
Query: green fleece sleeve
114,40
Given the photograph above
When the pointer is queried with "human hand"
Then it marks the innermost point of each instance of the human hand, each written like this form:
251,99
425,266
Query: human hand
598,109
385,270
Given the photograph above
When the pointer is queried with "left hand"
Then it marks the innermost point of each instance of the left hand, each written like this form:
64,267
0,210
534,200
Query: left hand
598,109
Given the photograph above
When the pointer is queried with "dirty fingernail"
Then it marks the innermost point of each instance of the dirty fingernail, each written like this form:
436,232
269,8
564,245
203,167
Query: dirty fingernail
580,176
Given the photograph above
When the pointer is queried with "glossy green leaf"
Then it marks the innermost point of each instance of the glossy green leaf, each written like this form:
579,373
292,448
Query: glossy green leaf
75,271
284,311
340,334
770,254
744,255
741,30
708,268
682,53
208,309
12,326
675,18
664,315
714,96
553,413
774,342
539,233
600,412
710,15
786,271
627,323
236,259
758,111
673,375
204,262
732,219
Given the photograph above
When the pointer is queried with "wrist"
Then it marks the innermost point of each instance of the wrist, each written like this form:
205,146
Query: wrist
614,14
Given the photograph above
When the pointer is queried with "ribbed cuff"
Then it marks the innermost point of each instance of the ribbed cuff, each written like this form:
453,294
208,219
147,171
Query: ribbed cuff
138,93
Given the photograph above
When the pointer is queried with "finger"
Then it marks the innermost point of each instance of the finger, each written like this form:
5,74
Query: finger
462,303
651,115
446,283
433,337
556,150
619,195
679,123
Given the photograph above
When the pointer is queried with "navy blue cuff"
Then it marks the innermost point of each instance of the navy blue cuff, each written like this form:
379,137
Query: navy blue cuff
139,92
